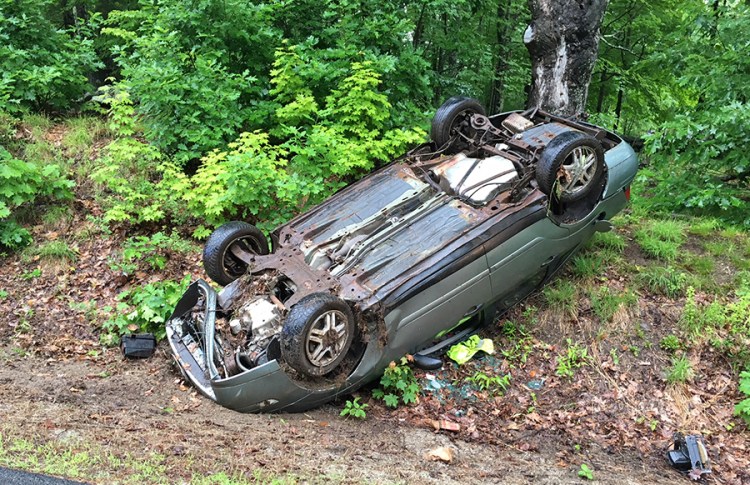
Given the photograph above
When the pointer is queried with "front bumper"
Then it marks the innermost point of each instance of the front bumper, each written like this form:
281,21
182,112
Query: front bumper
265,388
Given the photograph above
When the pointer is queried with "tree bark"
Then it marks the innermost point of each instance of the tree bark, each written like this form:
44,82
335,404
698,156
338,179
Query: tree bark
563,42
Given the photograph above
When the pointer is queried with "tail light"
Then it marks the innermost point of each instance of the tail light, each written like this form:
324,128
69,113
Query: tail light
627,193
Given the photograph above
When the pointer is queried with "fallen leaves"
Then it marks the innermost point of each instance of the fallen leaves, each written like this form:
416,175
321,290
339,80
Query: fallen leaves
442,453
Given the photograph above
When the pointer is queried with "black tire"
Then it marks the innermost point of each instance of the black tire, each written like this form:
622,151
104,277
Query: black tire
330,320
452,117
221,265
582,159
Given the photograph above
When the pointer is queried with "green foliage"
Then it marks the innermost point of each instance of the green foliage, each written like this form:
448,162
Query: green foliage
52,251
354,409
587,265
575,357
670,343
742,409
664,280
661,239
149,252
23,182
586,472
562,297
681,371
483,382
143,309
697,152
605,303
42,65
262,180
195,80
398,381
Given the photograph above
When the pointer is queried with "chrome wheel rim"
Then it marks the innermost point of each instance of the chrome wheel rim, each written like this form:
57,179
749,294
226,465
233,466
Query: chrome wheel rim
326,338
578,170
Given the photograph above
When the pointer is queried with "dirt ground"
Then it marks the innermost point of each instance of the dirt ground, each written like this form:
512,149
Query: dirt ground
141,407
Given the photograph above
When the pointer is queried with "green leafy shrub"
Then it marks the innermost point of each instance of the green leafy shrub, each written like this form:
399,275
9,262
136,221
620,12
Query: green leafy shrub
197,81
144,309
42,65
23,182
398,381
743,407
265,181
149,252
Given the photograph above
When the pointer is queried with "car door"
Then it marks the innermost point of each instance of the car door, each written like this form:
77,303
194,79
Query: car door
520,264
459,294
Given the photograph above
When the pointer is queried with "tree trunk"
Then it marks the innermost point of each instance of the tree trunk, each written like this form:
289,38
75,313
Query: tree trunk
563,42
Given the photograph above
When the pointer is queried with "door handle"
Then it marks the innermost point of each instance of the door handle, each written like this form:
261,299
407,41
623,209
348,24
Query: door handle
471,311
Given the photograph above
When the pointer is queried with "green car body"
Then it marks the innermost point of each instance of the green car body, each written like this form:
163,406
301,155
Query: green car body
410,254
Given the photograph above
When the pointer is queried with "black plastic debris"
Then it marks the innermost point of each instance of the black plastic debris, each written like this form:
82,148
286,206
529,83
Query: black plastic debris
138,346
689,455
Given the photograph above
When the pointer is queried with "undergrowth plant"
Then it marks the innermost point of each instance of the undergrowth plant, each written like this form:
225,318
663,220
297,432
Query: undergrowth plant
606,303
660,239
562,297
681,371
23,182
149,252
575,357
494,384
354,409
398,383
664,280
743,407
143,309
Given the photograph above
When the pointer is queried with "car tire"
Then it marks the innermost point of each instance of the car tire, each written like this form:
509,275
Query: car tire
581,158
219,262
317,334
451,117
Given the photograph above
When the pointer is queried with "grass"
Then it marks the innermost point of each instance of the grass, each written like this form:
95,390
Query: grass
661,239
704,227
605,303
82,461
587,265
663,280
609,240
81,133
51,252
681,371
562,297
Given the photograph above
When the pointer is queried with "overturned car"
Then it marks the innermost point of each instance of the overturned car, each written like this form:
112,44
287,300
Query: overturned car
410,259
